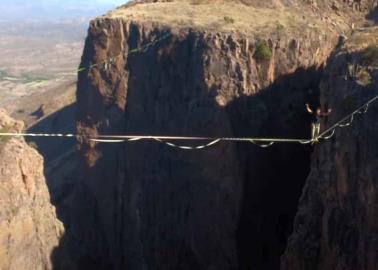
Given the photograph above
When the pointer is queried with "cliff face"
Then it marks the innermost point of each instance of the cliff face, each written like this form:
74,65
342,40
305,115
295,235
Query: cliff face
336,225
29,229
142,205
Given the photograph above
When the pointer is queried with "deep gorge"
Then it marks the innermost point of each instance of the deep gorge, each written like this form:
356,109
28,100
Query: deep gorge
214,68
172,209
143,205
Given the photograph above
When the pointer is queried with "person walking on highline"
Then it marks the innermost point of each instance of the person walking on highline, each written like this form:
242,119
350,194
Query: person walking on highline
315,126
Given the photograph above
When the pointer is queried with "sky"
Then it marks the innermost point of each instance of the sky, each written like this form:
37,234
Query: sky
45,10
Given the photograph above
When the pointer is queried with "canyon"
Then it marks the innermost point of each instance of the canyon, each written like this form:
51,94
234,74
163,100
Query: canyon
221,69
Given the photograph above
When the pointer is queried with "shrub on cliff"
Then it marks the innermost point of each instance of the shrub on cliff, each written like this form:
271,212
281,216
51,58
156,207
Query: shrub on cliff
197,2
228,19
364,78
280,27
263,52
370,56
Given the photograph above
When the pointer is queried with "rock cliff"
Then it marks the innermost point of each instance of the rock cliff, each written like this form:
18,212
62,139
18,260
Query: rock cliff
336,225
29,229
212,68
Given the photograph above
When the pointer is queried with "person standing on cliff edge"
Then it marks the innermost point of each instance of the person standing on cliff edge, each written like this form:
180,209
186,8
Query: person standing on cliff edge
318,114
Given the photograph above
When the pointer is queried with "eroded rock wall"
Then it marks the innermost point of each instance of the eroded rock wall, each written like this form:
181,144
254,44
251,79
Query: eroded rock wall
29,229
149,206
142,205
336,225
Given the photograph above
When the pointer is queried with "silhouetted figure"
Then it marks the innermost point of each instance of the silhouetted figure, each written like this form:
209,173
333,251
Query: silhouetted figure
315,126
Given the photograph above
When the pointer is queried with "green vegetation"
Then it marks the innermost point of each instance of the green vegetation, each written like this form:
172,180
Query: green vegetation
364,78
197,2
280,27
24,78
14,211
28,78
370,56
228,19
263,51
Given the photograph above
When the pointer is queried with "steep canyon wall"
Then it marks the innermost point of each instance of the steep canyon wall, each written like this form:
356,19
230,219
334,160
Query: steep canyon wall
143,205
29,229
336,225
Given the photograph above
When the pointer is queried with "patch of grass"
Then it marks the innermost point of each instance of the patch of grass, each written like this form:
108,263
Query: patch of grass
263,51
228,19
23,78
248,18
280,27
370,56
362,38
14,211
364,78
28,78
197,2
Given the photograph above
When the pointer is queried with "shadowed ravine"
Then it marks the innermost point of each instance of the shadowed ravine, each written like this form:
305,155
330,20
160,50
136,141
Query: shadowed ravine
269,182
273,178
143,203
223,69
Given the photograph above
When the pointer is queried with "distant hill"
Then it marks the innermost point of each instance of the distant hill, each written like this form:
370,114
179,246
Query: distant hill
54,9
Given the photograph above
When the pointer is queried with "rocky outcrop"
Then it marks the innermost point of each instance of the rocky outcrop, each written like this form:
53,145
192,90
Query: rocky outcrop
29,229
336,225
142,205
154,207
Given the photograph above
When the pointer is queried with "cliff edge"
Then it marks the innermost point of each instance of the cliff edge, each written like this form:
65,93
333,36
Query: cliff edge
337,222
201,68
29,229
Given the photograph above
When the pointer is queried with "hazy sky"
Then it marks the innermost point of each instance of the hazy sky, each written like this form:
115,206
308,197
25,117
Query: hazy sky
55,9
61,3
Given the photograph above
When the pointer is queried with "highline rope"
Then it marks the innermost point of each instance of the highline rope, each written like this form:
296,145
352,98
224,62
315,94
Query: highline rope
343,122
111,60
261,142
